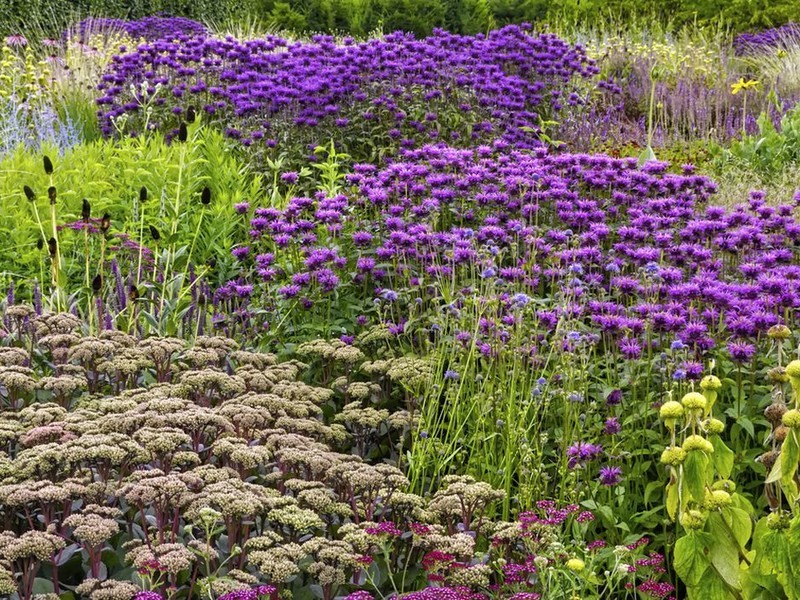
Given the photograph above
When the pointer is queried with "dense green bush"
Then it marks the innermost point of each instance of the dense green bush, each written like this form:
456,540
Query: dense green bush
360,17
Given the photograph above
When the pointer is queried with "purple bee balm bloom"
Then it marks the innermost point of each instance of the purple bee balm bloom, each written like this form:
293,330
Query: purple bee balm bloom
612,426
614,397
362,238
242,207
241,252
741,352
289,177
243,291
610,476
148,596
582,452
289,291
631,348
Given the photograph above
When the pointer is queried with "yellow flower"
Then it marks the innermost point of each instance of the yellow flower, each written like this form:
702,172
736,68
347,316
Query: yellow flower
743,85
575,564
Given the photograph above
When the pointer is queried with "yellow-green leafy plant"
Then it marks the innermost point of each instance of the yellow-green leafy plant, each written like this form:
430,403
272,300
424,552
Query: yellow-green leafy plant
721,552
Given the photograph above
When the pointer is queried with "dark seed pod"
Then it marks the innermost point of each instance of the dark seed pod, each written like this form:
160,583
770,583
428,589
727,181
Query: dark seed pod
205,196
29,193
48,165
52,246
40,243
52,194
133,292
183,134
774,413
143,194
768,459
191,114
86,210
154,233
97,283
105,223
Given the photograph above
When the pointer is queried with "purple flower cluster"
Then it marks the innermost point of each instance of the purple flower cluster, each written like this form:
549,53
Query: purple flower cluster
157,27
445,593
148,596
636,254
263,89
257,593
768,40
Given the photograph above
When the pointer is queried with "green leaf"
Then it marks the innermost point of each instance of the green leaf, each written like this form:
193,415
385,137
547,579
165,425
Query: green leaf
42,586
775,473
672,500
712,587
790,455
691,557
646,156
722,457
775,549
747,425
694,470
740,523
723,550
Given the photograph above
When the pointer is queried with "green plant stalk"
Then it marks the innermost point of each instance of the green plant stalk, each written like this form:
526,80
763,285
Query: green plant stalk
174,226
56,258
141,245
650,110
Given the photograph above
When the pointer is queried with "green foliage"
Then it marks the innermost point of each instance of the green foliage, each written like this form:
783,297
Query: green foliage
769,151
110,175
42,18
361,17
721,554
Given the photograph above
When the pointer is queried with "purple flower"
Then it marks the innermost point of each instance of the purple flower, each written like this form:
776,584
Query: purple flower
582,452
289,291
741,352
612,426
241,252
614,397
610,476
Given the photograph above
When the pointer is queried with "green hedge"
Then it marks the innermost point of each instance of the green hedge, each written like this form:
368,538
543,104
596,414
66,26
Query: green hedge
361,17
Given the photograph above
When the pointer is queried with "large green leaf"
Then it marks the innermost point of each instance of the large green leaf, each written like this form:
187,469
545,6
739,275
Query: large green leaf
740,523
672,500
691,559
723,550
694,470
790,455
722,457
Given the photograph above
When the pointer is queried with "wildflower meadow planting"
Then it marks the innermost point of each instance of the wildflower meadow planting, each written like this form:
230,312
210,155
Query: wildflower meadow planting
399,314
